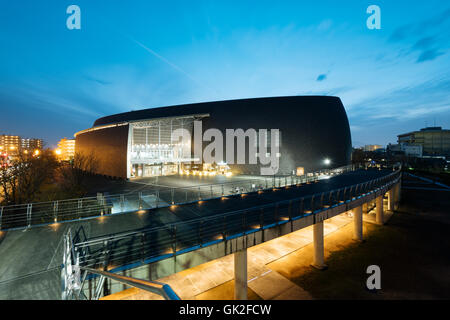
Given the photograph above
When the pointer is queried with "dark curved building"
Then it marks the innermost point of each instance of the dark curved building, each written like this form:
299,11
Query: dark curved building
314,133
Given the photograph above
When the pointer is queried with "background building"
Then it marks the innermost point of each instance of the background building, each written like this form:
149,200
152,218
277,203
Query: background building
433,140
14,144
372,147
10,144
406,149
314,131
66,149
31,144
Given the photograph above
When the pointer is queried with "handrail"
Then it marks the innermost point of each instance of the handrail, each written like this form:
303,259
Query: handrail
126,234
155,287
146,245
176,188
73,281
23,216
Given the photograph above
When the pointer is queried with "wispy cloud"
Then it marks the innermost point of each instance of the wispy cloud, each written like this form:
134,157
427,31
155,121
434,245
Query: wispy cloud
327,92
169,63
42,98
427,38
424,99
96,80
428,55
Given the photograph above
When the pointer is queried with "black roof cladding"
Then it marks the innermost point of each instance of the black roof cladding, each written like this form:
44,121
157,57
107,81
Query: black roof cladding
206,107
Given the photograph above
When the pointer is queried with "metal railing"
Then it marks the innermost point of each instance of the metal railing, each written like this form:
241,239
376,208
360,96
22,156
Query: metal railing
152,244
73,277
132,249
45,213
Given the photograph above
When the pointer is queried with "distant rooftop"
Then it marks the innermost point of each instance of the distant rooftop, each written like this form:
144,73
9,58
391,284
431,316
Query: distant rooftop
431,129
427,129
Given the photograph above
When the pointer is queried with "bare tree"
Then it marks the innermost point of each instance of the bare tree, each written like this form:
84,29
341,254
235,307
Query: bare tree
23,179
73,176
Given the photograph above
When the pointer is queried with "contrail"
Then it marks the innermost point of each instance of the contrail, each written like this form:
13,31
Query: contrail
167,62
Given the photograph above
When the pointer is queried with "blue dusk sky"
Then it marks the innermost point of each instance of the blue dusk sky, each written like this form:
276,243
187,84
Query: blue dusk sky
131,55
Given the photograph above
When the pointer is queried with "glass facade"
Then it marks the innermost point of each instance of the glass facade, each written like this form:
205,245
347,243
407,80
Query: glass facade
153,151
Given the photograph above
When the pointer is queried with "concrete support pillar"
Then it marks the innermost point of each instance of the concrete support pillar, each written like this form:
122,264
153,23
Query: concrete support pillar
240,275
365,208
379,210
358,223
398,193
318,262
391,199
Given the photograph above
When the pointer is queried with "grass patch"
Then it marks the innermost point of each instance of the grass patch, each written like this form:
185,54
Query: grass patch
411,251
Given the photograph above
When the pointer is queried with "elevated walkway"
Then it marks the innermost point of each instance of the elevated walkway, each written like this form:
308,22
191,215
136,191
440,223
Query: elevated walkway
286,210
267,284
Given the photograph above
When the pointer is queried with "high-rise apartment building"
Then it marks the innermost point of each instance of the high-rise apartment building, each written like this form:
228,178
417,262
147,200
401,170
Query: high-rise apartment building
66,149
31,144
9,144
12,145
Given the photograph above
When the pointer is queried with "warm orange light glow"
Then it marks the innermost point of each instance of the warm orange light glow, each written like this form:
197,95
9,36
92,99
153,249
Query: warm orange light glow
55,225
110,267
58,152
168,251
36,152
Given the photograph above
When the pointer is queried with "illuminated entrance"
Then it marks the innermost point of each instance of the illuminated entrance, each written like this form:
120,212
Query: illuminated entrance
151,151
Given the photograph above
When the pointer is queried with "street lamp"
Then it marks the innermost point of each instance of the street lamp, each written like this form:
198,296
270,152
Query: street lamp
327,161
